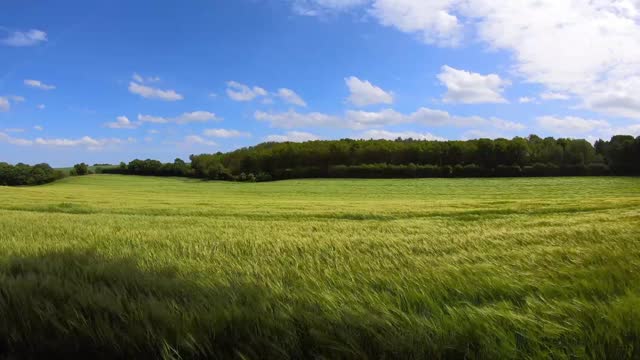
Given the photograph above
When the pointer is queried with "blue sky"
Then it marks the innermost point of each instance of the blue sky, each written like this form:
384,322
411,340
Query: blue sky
109,81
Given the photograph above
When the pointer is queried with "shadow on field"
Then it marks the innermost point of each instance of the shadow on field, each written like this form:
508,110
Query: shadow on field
78,305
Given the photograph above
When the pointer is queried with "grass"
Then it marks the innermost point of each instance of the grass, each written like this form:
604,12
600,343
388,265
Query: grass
130,267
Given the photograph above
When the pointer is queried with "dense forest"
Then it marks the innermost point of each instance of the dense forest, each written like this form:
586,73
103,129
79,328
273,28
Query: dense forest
406,158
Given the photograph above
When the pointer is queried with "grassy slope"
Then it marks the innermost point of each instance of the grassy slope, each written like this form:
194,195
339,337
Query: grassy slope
488,268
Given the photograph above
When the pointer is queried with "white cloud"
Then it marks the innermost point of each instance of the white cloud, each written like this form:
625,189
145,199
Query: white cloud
197,140
293,119
38,85
5,105
196,116
240,92
365,120
363,93
24,38
472,88
290,96
5,101
390,135
122,122
432,20
368,119
589,50
86,142
322,7
550,95
152,119
526,100
38,128
225,133
190,117
154,93
14,141
570,125
292,136
140,79
621,100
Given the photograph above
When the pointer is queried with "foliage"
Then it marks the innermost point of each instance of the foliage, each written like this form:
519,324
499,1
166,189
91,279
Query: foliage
80,169
22,174
146,267
408,158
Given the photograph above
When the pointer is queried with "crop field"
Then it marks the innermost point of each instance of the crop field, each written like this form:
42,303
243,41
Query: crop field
144,267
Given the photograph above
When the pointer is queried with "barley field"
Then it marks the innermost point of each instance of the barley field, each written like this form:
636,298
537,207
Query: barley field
110,266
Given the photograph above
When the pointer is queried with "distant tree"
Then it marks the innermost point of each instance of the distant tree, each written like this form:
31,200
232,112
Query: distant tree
80,169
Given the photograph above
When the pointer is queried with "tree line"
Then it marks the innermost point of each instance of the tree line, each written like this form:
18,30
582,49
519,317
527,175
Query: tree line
400,158
405,158
23,174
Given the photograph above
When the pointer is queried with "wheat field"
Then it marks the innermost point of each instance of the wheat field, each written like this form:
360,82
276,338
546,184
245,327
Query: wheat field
142,267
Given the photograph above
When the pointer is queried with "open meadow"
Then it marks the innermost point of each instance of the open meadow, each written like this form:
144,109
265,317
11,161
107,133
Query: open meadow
130,267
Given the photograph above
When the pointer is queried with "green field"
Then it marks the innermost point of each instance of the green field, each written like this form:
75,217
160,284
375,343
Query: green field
130,267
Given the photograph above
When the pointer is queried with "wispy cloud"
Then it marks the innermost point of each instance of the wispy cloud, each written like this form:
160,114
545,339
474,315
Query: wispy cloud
225,133
241,92
122,122
185,118
24,38
292,136
291,97
38,84
149,92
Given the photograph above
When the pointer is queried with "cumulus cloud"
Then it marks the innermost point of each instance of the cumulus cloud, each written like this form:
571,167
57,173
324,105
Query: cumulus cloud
472,88
152,119
149,92
291,97
122,122
573,126
38,85
197,140
225,133
391,135
526,100
292,136
24,38
185,118
589,50
570,125
363,93
241,92
361,120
